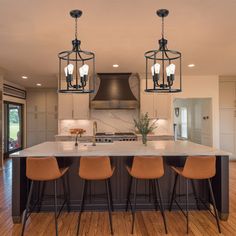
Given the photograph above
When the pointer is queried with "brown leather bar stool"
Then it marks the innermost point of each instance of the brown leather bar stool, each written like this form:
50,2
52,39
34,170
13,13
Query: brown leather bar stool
146,168
196,168
44,169
96,168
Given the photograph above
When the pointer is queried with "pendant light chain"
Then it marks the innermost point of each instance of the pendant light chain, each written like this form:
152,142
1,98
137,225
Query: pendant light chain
163,27
76,20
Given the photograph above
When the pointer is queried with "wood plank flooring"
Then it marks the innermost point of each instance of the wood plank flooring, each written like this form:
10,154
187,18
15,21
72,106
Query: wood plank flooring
96,223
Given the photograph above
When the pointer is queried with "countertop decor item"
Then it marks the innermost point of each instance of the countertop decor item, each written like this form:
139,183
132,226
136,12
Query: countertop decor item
144,126
77,131
163,65
76,67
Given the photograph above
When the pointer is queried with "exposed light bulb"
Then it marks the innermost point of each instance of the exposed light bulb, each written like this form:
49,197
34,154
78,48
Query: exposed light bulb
170,70
83,70
69,69
155,69
86,69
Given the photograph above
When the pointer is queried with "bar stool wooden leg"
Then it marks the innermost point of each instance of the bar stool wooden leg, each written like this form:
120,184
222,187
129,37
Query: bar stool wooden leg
84,186
161,204
109,204
173,191
187,204
27,208
129,191
55,206
134,208
195,194
65,194
214,205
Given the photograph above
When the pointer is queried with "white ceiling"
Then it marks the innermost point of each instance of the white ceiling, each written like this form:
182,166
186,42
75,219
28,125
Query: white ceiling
118,31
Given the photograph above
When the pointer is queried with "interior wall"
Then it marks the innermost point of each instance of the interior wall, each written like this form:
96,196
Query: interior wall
199,87
203,87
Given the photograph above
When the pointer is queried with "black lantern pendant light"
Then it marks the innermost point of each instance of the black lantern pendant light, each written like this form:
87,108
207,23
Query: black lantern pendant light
162,66
76,67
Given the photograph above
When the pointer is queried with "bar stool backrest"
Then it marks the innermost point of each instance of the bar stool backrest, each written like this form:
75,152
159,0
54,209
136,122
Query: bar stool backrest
200,167
95,168
147,167
42,168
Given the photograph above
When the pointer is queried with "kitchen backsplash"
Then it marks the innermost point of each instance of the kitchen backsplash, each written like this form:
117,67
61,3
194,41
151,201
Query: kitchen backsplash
111,121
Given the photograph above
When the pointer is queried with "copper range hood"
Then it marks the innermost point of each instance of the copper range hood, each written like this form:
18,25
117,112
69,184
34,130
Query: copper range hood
114,92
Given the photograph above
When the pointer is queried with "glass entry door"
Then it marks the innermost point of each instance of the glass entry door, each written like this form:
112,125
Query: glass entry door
13,135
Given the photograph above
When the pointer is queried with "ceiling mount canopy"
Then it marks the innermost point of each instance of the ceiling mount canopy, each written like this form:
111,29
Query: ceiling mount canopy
76,67
162,65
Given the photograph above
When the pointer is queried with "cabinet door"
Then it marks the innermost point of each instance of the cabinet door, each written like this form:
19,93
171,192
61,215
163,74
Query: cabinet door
162,106
35,137
36,101
227,121
52,122
146,101
65,108
36,121
227,95
81,106
52,101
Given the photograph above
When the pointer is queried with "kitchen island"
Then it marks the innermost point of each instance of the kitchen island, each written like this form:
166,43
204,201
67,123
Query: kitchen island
121,154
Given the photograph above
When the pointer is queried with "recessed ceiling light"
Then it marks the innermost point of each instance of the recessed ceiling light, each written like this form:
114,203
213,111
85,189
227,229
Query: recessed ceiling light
115,65
24,77
39,84
191,65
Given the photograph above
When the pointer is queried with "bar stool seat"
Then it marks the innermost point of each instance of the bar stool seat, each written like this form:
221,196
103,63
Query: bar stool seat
146,168
44,169
196,168
96,168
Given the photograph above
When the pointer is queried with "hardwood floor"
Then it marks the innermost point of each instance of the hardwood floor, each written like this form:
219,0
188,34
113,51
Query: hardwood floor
94,223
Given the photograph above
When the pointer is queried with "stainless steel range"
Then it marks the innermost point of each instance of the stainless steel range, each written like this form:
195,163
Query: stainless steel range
111,137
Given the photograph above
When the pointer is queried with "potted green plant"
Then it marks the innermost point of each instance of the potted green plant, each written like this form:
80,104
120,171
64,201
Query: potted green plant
144,126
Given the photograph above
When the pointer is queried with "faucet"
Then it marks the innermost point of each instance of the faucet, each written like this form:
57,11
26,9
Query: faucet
95,127
76,139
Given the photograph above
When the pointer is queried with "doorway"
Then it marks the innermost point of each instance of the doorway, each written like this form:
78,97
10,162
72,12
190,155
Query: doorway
13,128
193,119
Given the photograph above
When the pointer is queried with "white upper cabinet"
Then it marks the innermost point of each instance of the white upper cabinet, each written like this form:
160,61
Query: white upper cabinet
157,105
36,101
81,106
227,94
65,106
73,106
162,106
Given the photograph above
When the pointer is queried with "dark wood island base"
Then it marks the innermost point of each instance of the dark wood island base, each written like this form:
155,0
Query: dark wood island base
95,199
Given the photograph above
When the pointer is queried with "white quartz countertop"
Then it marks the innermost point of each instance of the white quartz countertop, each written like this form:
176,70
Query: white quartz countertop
162,148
